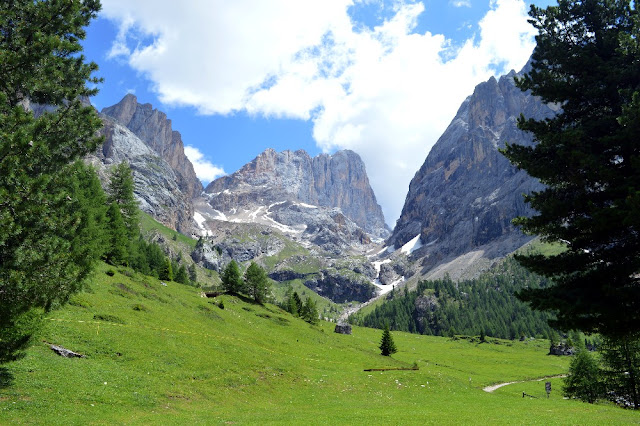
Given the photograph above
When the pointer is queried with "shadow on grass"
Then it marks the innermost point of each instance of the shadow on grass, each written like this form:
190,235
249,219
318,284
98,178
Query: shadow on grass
6,378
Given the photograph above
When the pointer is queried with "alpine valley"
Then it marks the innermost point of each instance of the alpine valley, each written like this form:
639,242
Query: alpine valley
315,222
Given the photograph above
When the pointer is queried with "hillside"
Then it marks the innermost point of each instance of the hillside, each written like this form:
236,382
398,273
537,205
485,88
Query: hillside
161,354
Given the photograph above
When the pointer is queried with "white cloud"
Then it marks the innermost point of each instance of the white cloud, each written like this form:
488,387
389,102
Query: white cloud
460,3
205,170
387,93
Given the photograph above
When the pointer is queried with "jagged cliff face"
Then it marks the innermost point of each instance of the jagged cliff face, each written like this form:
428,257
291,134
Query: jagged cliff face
275,181
156,184
466,193
154,128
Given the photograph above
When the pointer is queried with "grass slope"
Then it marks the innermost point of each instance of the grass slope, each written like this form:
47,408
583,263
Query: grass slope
163,355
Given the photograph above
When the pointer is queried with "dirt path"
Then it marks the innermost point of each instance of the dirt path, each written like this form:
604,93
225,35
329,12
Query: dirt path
499,385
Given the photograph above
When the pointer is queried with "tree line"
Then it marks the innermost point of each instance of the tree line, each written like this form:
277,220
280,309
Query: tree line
486,305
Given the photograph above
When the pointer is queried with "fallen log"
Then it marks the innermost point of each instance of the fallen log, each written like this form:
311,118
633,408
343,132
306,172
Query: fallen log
64,351
392,369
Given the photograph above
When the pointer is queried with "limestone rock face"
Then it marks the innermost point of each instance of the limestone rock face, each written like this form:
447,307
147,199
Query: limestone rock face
314,185
154,128
341,287
466,193
156,184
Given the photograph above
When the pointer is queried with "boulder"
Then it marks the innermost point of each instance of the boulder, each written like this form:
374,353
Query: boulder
343,328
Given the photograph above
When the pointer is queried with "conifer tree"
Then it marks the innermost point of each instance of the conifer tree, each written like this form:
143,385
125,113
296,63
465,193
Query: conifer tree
231,278
587,156
621,367
387,346
181,276
297,302
41,64
193,274
117,252
166,271
257,282
120,191
583,381
309,311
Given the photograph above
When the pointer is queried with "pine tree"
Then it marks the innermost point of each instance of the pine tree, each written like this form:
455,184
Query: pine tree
193,274
387,346
583,381
90,209
181,276
298,303
231,278
257,282
166,271
309,311
117,252
621,372
586,61
41,63
120,191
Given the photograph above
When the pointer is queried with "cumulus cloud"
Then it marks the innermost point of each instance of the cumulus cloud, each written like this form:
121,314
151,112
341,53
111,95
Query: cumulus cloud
386,92
205,169
460,3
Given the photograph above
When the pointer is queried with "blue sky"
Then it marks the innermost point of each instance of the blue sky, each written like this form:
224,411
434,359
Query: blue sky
383,78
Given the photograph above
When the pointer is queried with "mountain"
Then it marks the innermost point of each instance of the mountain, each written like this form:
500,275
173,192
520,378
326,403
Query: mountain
154,128
157,185
325,200
165,181
307,220
463,198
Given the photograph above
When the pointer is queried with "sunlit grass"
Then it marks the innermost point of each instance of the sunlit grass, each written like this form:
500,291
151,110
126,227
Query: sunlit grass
168,356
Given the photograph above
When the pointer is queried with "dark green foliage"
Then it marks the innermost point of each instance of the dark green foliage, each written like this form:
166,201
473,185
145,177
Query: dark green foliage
42,214
588,156
444,308
257,283
117,251
231,278
166,271
309,311
91,210
193,274
387,346
292,302
583,381
621,368
181,276
121,192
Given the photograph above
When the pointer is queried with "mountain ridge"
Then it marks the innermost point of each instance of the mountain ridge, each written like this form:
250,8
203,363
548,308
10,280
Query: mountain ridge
464,196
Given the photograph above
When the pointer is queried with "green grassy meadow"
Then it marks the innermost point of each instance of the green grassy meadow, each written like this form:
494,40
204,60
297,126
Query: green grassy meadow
164,355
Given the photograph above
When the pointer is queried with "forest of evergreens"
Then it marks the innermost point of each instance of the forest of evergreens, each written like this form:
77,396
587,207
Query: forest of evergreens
485,305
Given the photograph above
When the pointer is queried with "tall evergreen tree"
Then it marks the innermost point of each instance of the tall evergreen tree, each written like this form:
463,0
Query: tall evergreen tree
588,156
193,273
257,282
117,252
181,275
387,346
41,64
621,361
120,191
166,271
583,381
309,311
232,278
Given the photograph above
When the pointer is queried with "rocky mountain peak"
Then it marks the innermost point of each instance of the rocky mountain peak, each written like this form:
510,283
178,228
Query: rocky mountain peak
331,181
154,128
466,193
